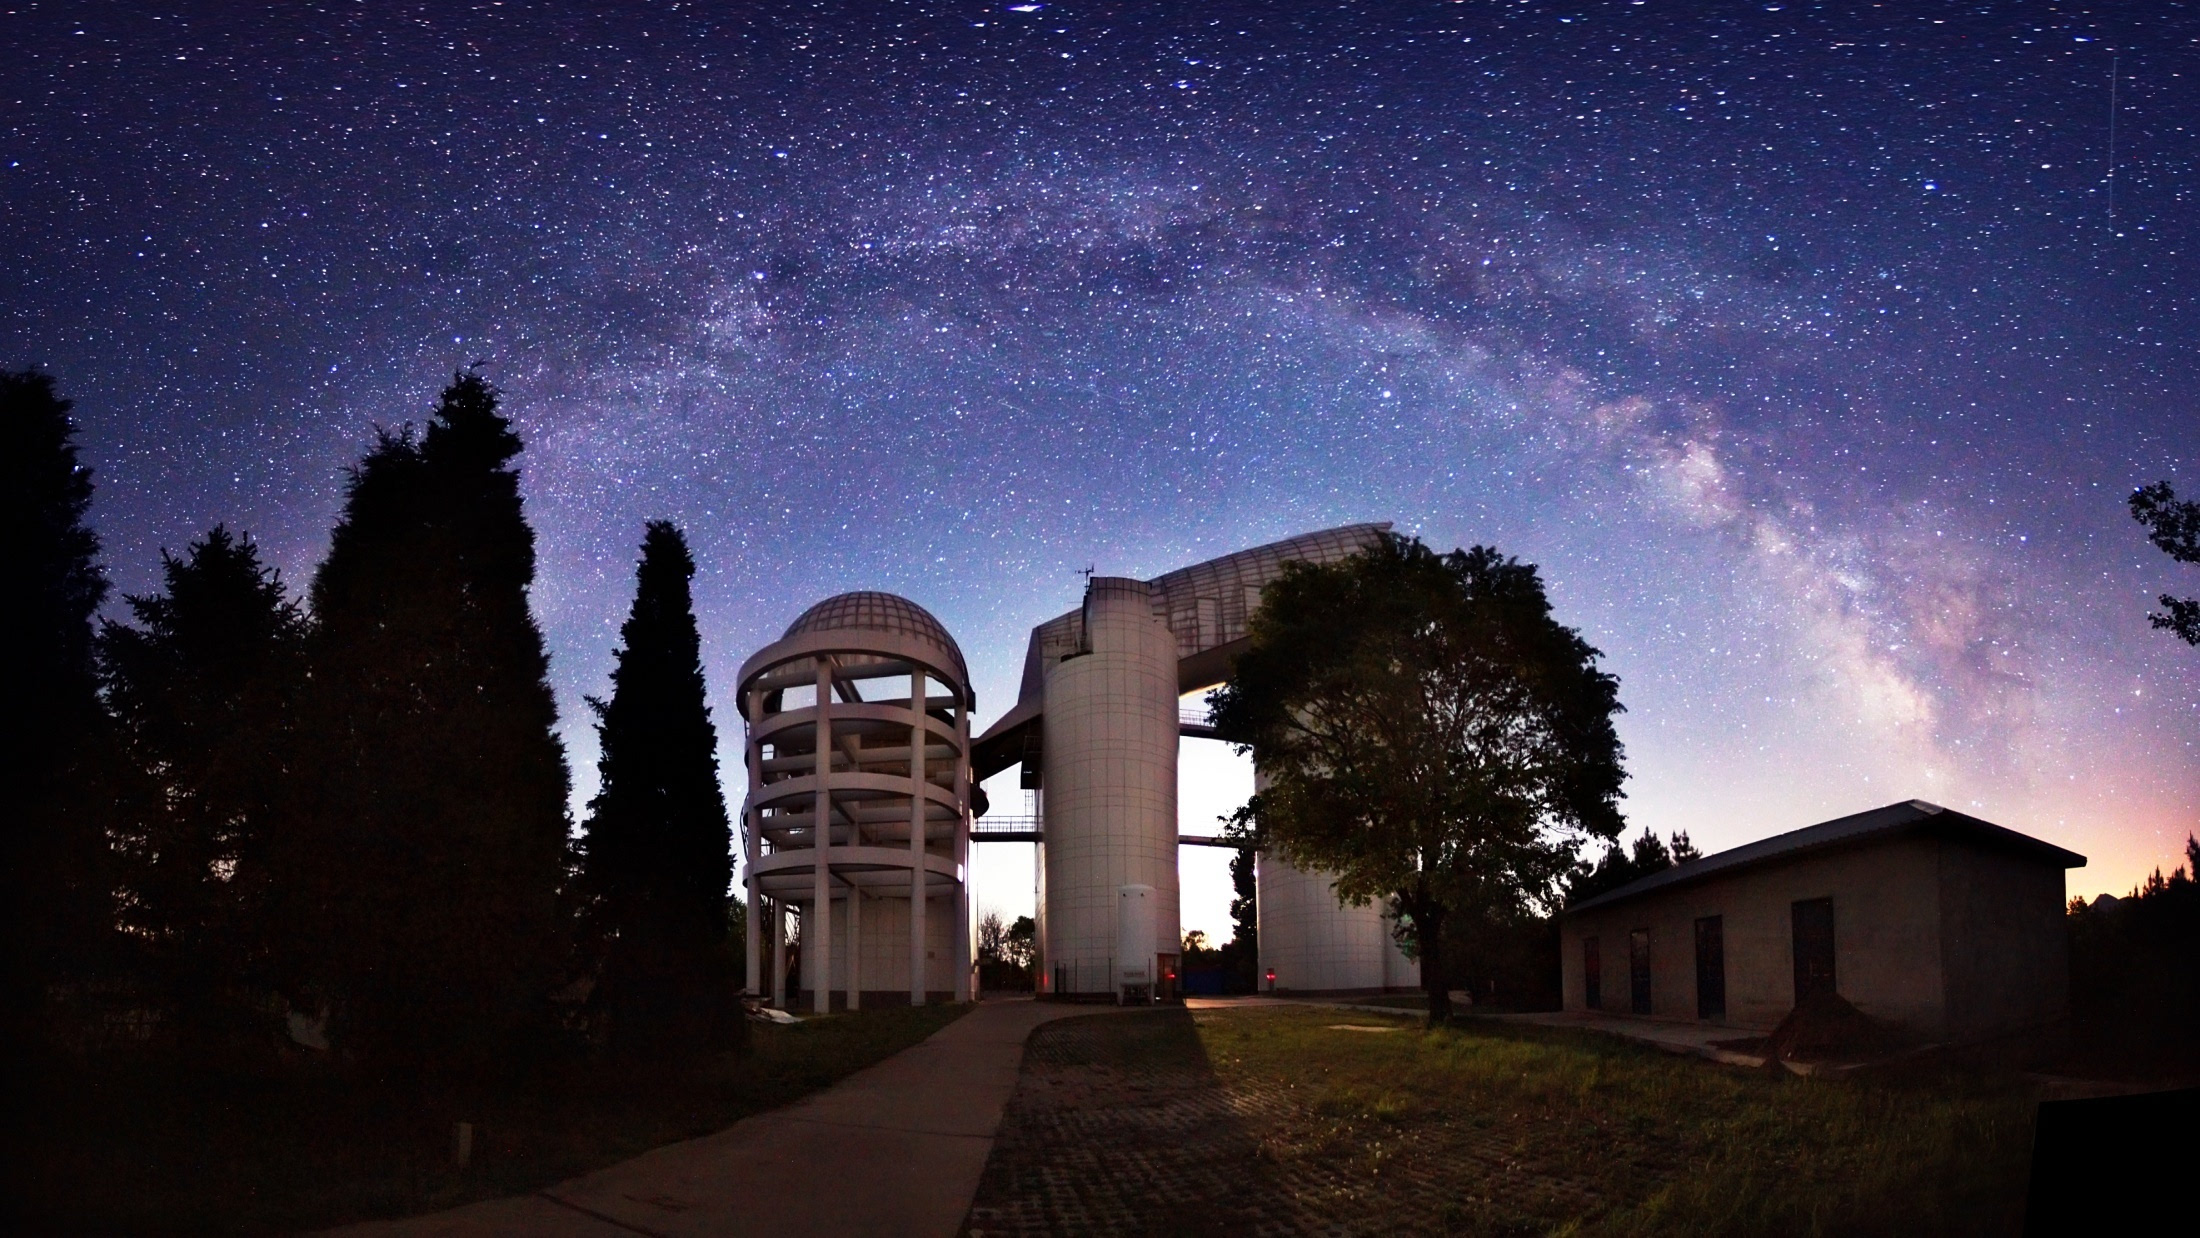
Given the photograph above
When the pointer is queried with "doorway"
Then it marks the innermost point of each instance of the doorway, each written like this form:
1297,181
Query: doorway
1813,923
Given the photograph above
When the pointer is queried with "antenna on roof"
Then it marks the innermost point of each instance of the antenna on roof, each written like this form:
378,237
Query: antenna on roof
1086,572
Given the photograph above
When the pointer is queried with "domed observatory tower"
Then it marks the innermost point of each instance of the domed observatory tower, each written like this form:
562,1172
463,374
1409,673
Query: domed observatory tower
858,814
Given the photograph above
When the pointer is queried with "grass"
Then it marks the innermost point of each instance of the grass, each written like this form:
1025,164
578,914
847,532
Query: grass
158,1149
1510,1129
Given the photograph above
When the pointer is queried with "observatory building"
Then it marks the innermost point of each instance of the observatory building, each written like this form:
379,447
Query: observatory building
858,811
877,831
1095,728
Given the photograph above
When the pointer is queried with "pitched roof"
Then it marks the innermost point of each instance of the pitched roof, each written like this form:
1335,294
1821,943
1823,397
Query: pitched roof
1909,816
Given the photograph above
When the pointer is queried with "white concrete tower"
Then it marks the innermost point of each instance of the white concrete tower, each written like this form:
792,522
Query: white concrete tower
1110,785
858,813
1313,943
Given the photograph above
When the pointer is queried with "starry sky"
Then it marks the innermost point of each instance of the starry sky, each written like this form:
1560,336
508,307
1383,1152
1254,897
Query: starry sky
1810,349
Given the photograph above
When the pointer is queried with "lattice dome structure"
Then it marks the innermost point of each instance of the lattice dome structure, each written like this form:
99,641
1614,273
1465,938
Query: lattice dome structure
858,813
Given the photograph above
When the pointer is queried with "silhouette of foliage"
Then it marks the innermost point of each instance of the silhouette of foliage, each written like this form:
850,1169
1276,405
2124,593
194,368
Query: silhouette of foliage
2173,525
1430,734
657,847
2135,976
424,882
1619,867
1241,954
202,691
55,875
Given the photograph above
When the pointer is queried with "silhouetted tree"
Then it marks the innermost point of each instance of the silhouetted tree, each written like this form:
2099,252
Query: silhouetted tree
55,875
1021,946
1429,734
1619,867
1241,954
201,692
2173,525
657,847
2135,976
425,890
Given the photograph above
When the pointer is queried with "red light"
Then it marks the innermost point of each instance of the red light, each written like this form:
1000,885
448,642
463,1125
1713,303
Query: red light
1271,975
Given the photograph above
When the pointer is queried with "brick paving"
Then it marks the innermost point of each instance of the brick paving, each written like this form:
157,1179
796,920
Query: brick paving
1120,1124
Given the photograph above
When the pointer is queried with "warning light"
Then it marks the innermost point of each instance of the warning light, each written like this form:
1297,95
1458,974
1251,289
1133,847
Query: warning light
1271,975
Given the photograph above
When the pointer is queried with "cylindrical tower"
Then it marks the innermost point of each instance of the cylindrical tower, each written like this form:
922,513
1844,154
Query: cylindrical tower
1109,779
1312,943
858,813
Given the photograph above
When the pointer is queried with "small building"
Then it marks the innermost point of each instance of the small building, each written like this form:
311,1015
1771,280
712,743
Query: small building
1945,926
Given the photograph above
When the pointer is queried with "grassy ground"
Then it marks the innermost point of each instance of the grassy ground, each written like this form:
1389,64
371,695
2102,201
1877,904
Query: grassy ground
156,1149
1498,1129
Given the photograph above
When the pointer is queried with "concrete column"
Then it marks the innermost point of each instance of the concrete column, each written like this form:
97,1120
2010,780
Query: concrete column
855,946
961,850
779,954
752,707
751,929
817,939
919,739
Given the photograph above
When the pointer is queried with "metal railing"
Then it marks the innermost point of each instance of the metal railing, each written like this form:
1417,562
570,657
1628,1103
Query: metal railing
997,828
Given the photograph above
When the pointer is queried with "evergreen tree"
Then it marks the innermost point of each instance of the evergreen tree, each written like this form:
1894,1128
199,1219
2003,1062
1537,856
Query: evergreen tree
426,886
657,847
202,691
55,906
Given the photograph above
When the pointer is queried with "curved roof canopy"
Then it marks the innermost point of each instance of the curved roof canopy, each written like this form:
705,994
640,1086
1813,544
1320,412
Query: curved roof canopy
1206,607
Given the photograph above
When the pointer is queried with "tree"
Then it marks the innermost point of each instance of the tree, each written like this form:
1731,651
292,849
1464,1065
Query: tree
2173,525
202,692
1618,867
425,888
657,849
55,903
992,938
1021,946
1429,734
1241,954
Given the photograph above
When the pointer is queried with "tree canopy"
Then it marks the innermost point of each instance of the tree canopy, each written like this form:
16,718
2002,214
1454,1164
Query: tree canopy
53,861
425,888
2173,525
657,846
201,689
1429,733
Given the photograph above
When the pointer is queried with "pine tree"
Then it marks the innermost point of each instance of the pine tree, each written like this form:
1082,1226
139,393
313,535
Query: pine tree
55,909
426,886
202,691
657,845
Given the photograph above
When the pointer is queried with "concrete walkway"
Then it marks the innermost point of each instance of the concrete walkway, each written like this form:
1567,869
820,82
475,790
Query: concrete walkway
893,1149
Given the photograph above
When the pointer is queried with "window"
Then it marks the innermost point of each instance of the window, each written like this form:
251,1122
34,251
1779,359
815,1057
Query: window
1813,948
1711,968
1592,975
1638,969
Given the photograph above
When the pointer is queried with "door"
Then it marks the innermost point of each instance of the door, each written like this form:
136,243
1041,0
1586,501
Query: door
1638,969
1813,948
1711,968
1592,975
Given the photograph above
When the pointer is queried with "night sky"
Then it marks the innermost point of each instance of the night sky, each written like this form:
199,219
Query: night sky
1811,350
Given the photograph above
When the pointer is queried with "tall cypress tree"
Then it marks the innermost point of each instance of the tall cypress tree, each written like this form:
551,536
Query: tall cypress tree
54,894
427,883
202,691
657,848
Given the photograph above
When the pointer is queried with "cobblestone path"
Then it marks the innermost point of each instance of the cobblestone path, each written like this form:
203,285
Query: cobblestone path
1121,1125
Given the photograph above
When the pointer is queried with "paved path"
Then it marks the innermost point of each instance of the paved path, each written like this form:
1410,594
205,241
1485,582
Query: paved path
893,1149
